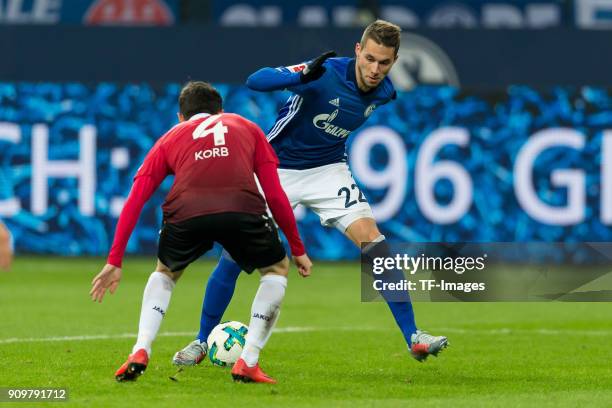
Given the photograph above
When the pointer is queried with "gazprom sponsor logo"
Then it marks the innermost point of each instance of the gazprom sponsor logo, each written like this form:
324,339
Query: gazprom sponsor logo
323,121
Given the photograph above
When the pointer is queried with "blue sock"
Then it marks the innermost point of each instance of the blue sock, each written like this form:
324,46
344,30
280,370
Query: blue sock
404,317
219,292
399,304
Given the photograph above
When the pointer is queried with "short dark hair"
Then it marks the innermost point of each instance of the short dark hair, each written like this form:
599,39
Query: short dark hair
199,97
383,32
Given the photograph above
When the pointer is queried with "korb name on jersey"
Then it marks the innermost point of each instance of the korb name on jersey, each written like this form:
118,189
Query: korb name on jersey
218,131
214,152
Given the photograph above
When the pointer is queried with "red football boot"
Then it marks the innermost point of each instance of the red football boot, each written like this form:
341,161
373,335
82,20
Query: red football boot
135,365
244,373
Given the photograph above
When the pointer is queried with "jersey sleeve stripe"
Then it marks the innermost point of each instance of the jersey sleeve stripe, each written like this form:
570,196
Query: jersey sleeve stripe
292,99
293,110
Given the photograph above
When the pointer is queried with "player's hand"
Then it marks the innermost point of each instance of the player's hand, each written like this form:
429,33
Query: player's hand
304,264
108,278
315,69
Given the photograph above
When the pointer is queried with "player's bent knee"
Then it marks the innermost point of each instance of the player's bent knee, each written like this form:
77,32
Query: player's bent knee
174,275
279,268
363,230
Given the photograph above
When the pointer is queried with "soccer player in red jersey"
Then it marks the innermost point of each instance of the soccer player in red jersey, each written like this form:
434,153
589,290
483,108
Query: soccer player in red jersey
214,198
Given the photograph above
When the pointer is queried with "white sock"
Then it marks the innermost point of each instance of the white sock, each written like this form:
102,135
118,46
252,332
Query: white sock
154,305
264,314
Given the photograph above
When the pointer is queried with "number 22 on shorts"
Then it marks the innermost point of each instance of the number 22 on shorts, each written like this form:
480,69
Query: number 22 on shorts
348,202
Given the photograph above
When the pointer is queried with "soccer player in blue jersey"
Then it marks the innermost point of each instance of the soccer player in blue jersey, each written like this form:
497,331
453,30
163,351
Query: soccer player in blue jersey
331,98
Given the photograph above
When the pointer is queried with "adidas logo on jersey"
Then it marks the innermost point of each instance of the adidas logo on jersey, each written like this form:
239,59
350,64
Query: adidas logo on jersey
335,102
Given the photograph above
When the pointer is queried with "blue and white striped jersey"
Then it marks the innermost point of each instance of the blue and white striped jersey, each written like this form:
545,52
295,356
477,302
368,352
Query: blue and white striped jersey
312,127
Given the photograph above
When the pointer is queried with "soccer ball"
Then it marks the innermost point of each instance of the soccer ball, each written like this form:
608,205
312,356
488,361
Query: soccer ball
225,343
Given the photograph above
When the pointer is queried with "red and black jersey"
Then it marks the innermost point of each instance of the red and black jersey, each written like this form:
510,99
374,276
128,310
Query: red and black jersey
213,159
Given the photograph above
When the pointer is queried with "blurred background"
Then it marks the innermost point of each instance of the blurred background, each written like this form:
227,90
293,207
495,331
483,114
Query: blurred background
502,130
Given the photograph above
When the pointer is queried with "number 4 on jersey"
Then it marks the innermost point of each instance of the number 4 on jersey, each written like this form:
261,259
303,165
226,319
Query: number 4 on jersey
218,131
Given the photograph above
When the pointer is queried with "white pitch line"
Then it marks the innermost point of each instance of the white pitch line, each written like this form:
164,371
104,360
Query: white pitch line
297,329
162,334
544,332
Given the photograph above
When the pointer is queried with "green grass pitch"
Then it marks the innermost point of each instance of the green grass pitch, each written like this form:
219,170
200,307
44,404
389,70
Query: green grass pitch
331,350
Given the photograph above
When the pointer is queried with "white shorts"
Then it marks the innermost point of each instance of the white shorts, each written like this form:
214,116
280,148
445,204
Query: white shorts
330,191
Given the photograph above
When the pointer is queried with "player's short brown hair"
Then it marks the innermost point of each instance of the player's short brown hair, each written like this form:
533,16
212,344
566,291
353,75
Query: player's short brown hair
199,97
383,32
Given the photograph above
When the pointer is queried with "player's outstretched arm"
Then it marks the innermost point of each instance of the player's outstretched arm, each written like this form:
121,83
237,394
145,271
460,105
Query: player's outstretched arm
147,179
141,191
110,276
274,79
283,214
279,206
265,166
149,176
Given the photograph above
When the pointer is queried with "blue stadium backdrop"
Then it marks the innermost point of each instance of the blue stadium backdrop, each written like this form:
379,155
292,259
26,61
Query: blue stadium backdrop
438,164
